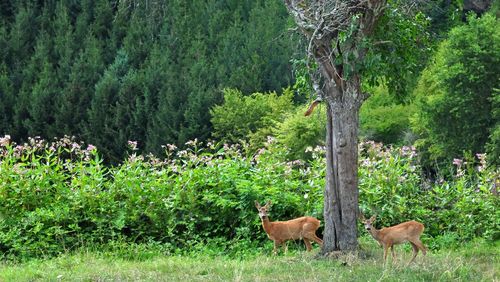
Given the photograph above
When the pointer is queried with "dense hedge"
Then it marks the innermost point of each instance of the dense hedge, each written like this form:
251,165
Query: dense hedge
57,196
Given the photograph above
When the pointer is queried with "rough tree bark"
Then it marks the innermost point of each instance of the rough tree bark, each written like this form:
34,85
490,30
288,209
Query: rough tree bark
323,22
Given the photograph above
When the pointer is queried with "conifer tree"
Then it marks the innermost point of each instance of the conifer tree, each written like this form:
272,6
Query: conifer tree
100,129
162,100
77,93
23,123
22,39
7,101
64,47
42,106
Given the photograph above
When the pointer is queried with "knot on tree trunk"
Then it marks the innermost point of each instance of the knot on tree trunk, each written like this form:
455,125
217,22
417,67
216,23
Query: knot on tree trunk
342,142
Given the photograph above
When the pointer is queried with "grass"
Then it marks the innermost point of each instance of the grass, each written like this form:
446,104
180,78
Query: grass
474,262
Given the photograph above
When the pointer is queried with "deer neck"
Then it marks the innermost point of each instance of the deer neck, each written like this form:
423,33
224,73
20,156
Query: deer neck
375,233
266,224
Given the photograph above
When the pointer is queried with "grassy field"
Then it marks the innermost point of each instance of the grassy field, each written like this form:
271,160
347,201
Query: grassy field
474,262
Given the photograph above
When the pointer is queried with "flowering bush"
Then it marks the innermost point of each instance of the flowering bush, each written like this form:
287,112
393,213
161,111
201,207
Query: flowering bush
391,185
56,196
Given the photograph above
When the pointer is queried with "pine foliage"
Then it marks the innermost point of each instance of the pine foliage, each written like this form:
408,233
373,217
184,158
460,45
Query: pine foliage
149,71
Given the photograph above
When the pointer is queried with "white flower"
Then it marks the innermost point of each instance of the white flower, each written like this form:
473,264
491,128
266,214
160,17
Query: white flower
4,141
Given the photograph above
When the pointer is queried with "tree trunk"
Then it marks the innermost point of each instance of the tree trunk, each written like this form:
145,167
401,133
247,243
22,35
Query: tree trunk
341,191
326,25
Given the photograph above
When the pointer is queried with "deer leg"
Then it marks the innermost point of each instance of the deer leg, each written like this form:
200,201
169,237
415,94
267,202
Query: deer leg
285,247
308,244
386,248
419,245
317,239
415,252
276,245
313,237
393,254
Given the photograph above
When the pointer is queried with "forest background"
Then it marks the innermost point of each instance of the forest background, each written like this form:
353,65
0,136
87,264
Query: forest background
156,73
165,90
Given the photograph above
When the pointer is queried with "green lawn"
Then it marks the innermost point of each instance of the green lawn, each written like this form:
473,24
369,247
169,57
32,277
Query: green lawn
475,262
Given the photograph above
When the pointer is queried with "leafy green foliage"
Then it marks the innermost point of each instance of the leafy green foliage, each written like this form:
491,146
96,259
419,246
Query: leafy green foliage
493,145
253,118
249,117
299,134
398,49
59,196
383,119
456,92
464,207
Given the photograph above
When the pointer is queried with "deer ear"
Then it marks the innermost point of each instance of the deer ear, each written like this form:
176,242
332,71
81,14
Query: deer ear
372,219
361,217
268,204
257,205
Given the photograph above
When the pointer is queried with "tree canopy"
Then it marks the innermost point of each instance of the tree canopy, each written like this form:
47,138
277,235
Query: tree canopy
457,95
107,71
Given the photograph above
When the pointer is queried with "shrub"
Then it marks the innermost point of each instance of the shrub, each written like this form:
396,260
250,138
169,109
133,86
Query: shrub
383,119
57,196
249,118
391,186
298,133
456,93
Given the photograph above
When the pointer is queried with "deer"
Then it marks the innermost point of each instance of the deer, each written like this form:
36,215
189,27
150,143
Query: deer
281,231
409,231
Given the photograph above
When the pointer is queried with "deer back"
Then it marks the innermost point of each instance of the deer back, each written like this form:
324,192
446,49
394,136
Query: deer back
402,232
293,229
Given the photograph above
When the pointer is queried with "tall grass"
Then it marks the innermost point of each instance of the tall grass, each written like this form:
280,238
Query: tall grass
473,262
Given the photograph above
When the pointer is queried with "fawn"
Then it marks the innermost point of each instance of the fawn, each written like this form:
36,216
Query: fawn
281,231
388,237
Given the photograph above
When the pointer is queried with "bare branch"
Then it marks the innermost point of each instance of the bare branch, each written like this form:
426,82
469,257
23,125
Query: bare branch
322,22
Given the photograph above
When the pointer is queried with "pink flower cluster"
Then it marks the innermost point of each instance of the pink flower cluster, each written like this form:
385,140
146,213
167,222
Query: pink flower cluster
65,148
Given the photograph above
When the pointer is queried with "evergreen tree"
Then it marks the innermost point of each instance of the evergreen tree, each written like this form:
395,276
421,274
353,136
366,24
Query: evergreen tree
200,93
64,47
162,100
125,112
100,129
22,39
4,44
7,101
42,104
101,27
138,39
23,122
77,93
179,55
84,21
7,11
121,23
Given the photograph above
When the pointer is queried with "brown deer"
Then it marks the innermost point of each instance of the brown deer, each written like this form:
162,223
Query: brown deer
281,231
409,231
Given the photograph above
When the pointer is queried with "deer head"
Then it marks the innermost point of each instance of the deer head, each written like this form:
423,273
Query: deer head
368,222
263,210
